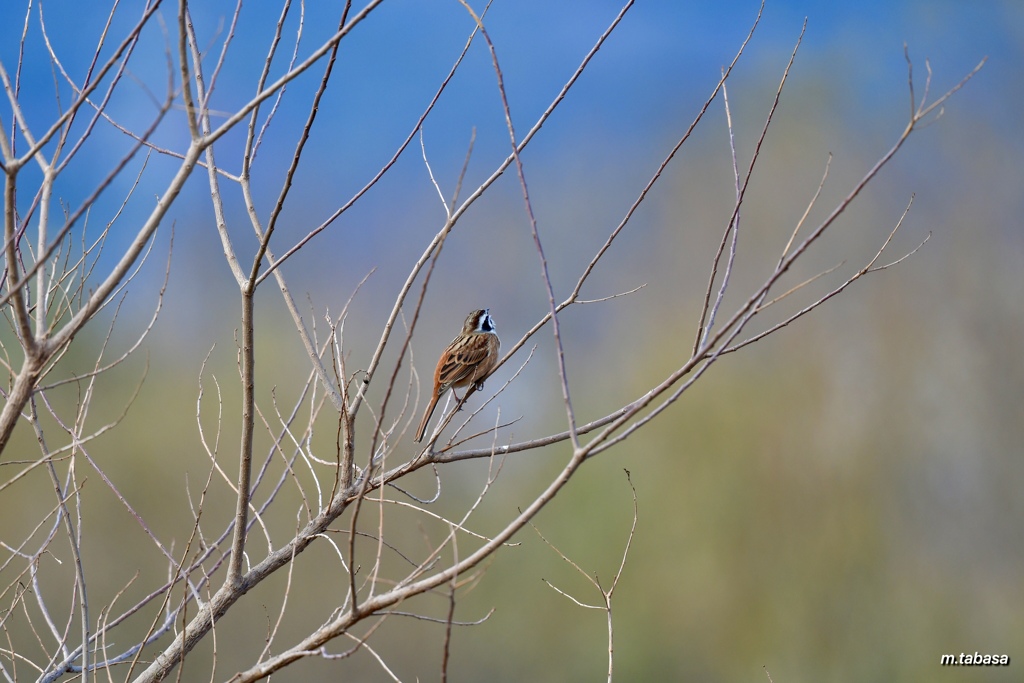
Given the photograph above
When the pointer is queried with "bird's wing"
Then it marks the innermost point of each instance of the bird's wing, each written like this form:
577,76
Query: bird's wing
462,363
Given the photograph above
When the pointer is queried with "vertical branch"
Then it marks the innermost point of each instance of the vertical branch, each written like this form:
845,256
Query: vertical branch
449,618
32,362
14,288
733,229
211,163
186,87
545,274
345,439
247,289
73,539
248,371
44,219
248,292
263,235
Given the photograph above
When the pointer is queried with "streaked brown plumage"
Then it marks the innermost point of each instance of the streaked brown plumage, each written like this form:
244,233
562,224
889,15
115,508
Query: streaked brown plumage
467,361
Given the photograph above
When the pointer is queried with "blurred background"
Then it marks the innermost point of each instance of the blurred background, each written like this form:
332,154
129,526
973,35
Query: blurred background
841,501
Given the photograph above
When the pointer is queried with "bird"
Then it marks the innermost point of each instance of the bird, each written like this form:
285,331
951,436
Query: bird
466,362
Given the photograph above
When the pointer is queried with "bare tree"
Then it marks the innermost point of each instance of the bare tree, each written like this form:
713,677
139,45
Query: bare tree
58,280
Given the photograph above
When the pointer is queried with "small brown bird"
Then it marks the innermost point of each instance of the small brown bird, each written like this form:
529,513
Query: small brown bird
467,361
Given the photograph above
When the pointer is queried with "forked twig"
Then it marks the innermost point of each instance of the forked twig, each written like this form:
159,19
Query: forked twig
606,594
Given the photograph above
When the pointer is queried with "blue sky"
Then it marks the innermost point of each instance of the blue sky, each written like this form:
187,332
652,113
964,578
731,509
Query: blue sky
652,75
